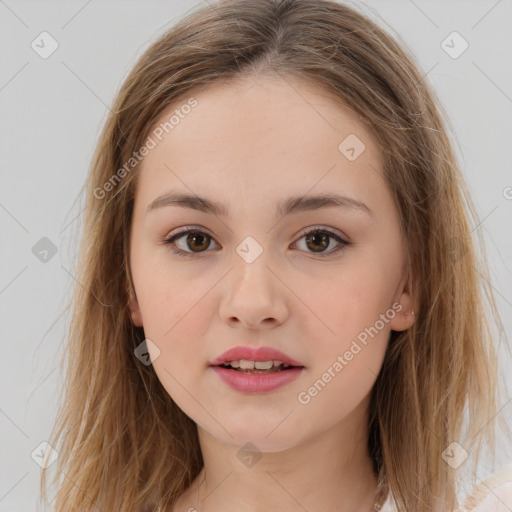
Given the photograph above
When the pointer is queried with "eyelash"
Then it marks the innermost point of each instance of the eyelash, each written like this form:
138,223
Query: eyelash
179,252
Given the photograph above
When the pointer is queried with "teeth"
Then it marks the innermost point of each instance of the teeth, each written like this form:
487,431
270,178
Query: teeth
263,365
244,364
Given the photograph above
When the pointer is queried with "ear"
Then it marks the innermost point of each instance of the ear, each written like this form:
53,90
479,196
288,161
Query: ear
133,307
404,307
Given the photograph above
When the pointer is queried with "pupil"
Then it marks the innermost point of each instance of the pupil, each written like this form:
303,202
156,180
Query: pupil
319,238
192,238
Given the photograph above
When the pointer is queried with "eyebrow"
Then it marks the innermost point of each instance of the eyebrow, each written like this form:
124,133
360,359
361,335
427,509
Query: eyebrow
289,206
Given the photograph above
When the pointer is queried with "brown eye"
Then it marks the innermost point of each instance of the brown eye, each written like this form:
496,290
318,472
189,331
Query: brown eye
194,242
198,240
318,241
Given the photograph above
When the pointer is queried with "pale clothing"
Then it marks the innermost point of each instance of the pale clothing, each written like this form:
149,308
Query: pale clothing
493,495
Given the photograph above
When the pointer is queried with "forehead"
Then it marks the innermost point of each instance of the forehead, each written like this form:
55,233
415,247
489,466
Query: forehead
259,108
261,135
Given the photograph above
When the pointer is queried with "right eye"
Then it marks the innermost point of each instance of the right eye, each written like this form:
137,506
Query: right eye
193,239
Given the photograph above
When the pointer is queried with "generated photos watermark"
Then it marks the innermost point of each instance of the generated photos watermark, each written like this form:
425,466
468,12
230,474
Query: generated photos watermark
357,345
151,142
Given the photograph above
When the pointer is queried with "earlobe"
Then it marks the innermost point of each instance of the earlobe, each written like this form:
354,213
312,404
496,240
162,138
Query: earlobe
133,307
405,316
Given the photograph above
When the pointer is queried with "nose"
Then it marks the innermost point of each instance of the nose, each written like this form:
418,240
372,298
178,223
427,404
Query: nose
254,296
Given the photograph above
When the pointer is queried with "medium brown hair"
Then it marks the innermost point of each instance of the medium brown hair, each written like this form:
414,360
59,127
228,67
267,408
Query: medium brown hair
123,443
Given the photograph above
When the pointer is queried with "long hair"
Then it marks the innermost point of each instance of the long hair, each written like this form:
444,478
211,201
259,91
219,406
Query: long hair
123,443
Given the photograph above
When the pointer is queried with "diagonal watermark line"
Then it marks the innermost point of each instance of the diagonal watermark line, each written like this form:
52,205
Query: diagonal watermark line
3,2
300,300
14,218
76,14
495,289
491,491
83,287
84,493
485,218
176,18
424,13
311,188
431,479
292,497
220,219
72,220
372,372
199,403
427,72
14,423
14,76
486,14
492,419
476,270
13,279
280,423
14,486
86,85
492,81
213,286
217,486
296,90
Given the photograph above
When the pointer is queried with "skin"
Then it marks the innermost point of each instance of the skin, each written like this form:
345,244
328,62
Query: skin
249,145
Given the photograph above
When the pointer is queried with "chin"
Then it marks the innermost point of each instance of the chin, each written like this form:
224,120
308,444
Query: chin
262,437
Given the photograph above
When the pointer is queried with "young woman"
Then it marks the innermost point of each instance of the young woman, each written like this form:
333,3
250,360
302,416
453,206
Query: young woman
280,304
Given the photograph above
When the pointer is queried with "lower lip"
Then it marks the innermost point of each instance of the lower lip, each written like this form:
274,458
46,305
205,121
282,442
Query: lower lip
256,382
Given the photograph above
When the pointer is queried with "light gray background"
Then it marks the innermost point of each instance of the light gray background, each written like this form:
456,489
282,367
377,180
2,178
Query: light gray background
51,112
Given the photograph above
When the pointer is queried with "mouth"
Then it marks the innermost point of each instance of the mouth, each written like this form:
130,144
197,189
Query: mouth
256,367
256,370
246,359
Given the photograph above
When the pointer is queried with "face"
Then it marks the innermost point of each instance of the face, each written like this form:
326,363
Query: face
318,280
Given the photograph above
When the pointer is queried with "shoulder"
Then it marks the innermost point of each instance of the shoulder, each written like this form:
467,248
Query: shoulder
493,495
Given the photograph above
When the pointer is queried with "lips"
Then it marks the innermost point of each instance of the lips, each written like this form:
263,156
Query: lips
254,354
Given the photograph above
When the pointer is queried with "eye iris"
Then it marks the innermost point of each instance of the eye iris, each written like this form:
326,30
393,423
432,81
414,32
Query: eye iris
318,238
192,237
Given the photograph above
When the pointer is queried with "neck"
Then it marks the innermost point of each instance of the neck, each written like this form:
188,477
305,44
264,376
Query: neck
331,471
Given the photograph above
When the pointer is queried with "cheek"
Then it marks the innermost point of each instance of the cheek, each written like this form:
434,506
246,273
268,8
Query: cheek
164,295
175,320
342,306
346,348
173,315
346,336
176,313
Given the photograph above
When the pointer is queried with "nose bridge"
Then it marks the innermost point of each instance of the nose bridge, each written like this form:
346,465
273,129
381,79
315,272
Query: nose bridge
250,249
251,261
254,293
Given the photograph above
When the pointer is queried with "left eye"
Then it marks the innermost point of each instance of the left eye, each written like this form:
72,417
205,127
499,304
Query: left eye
316,239
320,239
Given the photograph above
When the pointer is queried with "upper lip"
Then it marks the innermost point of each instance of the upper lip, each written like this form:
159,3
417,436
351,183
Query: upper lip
254,354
